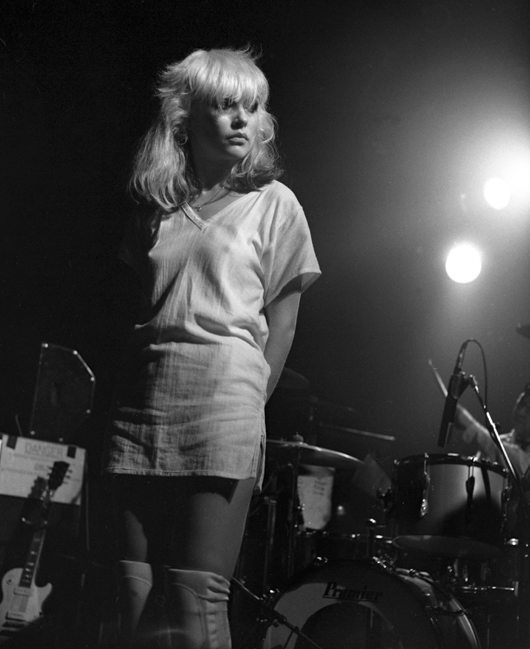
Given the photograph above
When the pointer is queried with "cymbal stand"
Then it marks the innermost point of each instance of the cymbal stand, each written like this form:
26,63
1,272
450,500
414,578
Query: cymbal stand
280,497
268,616
293,514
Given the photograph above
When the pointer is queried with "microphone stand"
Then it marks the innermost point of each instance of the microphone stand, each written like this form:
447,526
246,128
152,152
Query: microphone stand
271,616
495,436
523,517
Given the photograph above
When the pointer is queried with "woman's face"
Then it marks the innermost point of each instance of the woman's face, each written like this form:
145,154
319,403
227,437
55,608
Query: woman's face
222,133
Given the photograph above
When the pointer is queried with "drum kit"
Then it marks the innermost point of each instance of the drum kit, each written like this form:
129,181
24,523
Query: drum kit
436,563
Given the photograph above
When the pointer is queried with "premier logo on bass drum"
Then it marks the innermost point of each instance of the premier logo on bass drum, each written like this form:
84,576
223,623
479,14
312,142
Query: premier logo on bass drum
335,591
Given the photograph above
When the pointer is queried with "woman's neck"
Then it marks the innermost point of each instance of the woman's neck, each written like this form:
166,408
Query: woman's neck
210,176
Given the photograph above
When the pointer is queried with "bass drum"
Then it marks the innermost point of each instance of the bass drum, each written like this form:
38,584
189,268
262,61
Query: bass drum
368,605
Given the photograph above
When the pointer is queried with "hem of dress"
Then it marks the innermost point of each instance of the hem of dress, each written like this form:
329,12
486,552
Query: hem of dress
175,474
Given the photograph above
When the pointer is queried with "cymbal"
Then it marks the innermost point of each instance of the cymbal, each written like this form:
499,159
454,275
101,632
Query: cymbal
303,453
291,380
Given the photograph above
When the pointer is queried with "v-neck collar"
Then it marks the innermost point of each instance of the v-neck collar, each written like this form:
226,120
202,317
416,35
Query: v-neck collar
192,215
201,223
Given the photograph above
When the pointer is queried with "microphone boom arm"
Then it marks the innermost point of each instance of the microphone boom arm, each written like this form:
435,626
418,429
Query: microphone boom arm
495,436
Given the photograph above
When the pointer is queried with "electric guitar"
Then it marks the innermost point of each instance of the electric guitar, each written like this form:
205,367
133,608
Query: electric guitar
22,599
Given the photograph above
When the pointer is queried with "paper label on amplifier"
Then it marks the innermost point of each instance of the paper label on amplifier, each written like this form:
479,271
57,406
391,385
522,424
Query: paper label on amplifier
23,460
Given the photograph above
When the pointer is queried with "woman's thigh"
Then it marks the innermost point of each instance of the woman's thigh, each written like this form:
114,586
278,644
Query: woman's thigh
140,519
194,523
209,522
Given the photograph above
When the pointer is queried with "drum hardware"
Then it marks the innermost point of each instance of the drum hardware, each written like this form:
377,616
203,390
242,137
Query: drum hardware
491,579
352,547
291,456
270,505
490,597
325,604
523,601
425,484
470,488
459,596
523,511
269,616
449,505
337,602
268,556
370,525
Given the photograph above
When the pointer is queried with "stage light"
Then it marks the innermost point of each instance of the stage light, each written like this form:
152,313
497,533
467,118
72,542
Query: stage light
507,171
497,193
463,263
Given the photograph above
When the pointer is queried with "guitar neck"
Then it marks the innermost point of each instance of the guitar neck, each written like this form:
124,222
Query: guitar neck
31,564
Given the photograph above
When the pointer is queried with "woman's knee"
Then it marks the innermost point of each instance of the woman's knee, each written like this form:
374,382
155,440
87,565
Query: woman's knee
197,609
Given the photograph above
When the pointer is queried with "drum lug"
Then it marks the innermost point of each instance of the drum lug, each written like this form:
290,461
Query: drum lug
426,483
387,500
381,563
506,496
271,596
319,561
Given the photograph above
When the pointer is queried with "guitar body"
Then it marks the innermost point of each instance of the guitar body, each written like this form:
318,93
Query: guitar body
20,605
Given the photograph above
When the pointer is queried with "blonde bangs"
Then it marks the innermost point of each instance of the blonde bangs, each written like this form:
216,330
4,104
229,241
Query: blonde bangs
218,77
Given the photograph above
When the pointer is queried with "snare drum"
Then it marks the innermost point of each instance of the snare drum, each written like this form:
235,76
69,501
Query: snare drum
353,546
368,604
449,505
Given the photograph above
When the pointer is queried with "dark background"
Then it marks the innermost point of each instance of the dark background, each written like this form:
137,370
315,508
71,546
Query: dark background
388,111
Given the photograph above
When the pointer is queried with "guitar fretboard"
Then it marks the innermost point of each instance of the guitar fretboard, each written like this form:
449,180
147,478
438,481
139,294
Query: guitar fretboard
32,558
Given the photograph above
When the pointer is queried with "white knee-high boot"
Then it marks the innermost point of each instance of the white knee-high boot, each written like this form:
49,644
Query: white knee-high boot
197,609
135,580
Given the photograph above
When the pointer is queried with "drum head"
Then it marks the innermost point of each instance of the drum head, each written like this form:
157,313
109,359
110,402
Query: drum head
365,604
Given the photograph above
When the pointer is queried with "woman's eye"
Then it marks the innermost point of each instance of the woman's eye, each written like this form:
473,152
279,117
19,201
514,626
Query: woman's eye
225,104
228,104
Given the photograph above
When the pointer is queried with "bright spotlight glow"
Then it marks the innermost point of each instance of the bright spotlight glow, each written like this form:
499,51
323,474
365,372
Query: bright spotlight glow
463,263
508,168
497,193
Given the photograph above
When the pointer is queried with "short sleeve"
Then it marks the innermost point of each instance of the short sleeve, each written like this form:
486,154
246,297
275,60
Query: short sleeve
139,236
290,255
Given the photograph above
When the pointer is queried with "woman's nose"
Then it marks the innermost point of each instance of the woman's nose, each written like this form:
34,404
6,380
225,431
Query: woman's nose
240,115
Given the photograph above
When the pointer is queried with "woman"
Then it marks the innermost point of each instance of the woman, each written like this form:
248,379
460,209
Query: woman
222,254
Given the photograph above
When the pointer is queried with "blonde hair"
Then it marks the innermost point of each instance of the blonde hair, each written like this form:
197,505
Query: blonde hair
162,171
